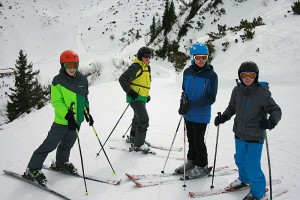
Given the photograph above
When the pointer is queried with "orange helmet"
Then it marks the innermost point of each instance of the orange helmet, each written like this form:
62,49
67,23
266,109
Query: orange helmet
69,56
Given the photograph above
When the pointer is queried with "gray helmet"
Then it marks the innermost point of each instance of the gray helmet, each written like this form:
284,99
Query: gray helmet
142,51
248,66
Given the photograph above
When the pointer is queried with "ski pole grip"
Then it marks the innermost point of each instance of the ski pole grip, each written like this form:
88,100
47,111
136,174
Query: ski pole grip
87,114
219,114
72,106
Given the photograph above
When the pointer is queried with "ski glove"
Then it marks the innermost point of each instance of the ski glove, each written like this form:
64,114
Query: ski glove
148,99
72,125
88,117
221,119
184,104
132,94
184,108
267,124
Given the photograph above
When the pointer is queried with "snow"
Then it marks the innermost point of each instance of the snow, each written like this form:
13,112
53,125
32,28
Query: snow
278,60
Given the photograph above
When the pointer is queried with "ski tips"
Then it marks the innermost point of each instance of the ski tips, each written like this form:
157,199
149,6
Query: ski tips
131,176
192,194
138,184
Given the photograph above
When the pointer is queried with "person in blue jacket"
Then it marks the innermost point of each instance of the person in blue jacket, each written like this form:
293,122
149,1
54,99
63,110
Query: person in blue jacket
255,111
200,86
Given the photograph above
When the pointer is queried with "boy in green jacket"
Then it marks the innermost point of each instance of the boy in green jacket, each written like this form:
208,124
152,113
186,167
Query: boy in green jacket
69,98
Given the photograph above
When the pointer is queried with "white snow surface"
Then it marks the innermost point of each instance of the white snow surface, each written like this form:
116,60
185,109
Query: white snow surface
278,59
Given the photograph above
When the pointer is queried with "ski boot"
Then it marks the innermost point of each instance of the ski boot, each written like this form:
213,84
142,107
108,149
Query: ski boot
144,148
188,165
35,175
130,139
250,196
197,172
66,167
236,185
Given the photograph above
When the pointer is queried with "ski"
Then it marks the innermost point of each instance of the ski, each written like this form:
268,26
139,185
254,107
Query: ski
151,152
131,150
220,170
154,182
223,191
163,148
154,146
108,181
46,188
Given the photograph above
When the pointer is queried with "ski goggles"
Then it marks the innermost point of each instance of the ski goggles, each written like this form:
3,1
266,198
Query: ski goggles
200,57
71,65
249,75
147,55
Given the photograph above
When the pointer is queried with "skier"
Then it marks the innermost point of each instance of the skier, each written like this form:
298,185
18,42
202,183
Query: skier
135,81
200,85
69,98
251,102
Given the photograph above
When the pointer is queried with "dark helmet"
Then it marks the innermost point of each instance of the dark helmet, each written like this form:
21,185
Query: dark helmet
142,51
249,66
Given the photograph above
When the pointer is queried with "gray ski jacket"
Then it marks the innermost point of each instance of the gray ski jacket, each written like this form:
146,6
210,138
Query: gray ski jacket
251,104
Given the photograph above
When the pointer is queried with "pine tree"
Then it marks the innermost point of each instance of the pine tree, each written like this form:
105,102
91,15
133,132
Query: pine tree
158,26
169,17
172,15
27,92
296,7
152,30
165,20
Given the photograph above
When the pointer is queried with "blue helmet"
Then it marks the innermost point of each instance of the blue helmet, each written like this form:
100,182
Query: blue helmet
199,49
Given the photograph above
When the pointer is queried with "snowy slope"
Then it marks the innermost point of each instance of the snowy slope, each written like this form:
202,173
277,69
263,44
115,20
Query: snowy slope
278,61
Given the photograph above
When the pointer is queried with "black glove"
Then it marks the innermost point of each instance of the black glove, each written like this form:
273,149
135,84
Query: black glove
267,124
184,104
148,99
72,125
132,94
221,119
184,108
88,117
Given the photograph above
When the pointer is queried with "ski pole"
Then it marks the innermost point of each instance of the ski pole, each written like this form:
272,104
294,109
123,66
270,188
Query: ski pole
80,152
184,155
269,164
126,131
100,143
82,167
172,144
113,129
213,176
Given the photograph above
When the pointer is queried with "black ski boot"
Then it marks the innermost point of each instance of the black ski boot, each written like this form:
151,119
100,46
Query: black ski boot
144,148
35,175
66,167
250,196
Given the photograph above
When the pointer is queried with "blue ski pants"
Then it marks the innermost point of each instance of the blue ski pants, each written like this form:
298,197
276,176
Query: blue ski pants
247,158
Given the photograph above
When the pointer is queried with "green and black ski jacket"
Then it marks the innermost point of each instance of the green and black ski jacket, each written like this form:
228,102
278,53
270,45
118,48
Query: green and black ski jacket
66,90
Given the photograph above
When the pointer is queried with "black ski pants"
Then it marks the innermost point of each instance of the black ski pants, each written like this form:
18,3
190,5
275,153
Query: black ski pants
140,123
59,136
197,151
